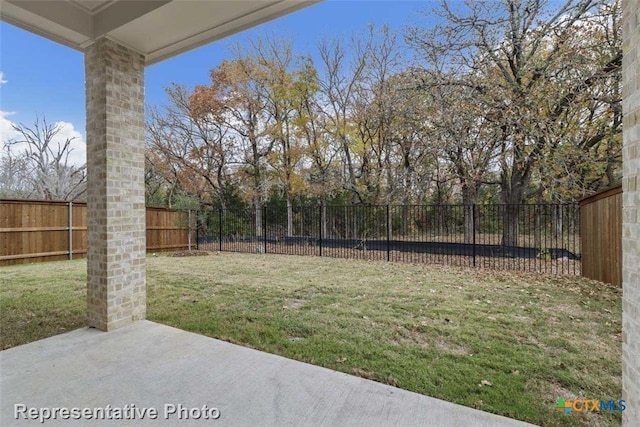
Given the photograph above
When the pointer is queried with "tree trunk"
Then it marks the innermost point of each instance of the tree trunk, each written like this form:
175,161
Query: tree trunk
406,200
556,221
389,234
324,217
442,218
258,217
537,226
354,223
512,193
346,223
405,219
469,223
511,225
469,199
289,216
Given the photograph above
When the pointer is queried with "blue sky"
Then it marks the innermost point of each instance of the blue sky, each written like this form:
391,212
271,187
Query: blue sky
40,76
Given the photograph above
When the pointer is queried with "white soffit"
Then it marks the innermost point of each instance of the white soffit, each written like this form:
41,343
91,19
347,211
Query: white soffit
159,29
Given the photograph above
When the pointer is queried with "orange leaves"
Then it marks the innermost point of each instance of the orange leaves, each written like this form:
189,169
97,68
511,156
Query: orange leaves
201,101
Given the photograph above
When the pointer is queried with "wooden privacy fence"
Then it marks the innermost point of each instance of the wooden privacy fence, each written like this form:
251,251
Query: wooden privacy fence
601,234
37,231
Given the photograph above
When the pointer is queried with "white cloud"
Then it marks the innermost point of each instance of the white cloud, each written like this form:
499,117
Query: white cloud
2,80
6,131
78,154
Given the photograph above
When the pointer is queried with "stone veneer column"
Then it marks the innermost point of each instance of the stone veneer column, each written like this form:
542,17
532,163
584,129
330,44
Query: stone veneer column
631,213
116,282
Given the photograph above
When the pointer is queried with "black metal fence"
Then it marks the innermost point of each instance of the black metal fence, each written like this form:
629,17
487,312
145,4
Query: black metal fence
543,238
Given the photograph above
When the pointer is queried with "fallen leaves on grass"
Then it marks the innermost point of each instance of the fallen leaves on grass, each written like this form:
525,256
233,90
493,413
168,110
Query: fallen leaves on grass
363,373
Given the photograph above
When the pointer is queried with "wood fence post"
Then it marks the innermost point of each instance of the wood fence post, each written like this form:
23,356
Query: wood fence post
70,230
189,229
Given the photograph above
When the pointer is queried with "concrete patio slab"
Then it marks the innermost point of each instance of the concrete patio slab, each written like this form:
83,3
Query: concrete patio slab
147,366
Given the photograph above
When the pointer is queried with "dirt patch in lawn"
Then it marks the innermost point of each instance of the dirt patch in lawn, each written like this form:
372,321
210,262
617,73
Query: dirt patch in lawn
181,254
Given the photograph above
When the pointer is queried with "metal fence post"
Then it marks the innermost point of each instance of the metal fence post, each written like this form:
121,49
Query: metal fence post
474,211
388,235
70,230
320,224
220,228
264,228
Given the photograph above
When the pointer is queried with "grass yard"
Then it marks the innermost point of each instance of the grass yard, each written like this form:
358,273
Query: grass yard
503,342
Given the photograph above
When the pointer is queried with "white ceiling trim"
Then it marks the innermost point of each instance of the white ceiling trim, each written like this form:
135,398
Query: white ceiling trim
92,7
122,13
158,29
37,24
226,29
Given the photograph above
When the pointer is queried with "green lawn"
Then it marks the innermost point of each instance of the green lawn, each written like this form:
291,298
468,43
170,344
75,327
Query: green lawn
507,343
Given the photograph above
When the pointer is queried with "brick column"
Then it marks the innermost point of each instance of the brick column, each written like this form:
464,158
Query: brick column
631,212
116,282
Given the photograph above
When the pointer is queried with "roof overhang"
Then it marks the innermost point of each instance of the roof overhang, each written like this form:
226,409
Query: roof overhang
158,29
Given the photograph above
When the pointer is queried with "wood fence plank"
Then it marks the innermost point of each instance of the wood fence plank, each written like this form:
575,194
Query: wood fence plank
38,230
601,236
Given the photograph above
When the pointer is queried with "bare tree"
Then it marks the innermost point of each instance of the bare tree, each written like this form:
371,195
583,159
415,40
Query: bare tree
42,160
14,174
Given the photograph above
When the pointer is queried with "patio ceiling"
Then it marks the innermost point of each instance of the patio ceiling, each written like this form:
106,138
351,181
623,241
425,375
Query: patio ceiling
159,29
